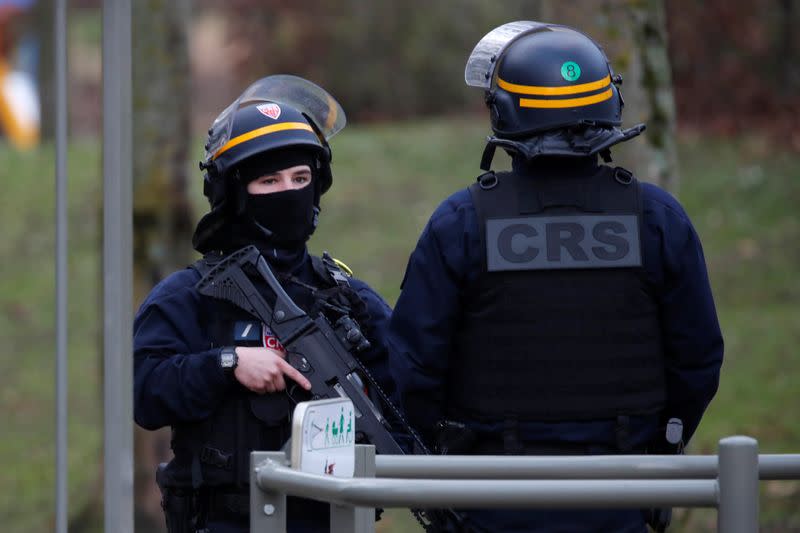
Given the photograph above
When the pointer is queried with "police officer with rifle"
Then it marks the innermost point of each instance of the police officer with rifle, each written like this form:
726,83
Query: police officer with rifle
563,307
213,368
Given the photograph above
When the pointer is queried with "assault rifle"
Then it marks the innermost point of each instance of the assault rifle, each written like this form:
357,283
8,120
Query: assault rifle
321,351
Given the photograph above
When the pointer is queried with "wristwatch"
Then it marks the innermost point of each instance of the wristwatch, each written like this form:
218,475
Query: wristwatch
228,360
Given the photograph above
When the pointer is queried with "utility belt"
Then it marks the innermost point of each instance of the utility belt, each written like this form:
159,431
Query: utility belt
498,447
456,438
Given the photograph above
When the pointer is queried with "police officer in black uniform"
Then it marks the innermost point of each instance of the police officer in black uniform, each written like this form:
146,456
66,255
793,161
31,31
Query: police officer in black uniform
211,371
562,307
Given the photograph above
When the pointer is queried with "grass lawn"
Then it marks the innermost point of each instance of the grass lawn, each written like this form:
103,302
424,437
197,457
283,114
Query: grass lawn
388,179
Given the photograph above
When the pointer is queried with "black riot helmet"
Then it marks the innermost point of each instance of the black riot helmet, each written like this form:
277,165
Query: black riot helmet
275,112
550,90
276,117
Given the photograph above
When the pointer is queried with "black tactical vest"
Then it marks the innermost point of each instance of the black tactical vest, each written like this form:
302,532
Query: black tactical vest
561,324
216,451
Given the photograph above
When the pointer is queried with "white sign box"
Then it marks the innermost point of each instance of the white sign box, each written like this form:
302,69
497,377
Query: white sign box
323,437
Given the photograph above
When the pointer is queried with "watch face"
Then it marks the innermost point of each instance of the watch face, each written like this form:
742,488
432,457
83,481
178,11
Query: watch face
227,359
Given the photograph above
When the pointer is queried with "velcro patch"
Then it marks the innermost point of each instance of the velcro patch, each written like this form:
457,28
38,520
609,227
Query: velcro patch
247,331
562,242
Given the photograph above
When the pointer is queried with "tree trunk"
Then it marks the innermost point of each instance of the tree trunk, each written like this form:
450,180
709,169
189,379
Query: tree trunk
162,212
634,35
652,100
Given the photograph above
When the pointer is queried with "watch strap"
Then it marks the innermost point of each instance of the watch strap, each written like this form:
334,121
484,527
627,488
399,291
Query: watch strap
228,360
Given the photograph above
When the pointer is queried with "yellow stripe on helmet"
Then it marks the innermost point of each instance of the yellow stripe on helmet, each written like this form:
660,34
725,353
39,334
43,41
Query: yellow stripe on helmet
554,91
258,132
566,102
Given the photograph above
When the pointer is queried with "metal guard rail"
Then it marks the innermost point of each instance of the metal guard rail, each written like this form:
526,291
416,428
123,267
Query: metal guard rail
728,482
770,467
508,493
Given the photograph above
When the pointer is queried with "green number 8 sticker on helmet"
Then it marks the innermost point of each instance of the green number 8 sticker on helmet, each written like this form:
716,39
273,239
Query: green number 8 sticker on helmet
570,71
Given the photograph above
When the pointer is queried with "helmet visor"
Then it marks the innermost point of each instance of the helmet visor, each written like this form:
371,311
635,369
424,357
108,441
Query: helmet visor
483,60
310,99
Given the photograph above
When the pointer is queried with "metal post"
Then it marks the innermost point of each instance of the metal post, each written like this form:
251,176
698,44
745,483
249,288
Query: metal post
348,519
267,507
60,53
117,268
365,467
738,485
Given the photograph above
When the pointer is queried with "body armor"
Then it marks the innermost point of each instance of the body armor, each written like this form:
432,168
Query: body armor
561,324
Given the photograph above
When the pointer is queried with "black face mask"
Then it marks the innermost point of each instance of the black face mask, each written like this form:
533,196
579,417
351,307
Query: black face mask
289,217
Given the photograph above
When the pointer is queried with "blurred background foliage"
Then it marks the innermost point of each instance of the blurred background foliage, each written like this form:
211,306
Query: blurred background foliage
733,63
716,80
